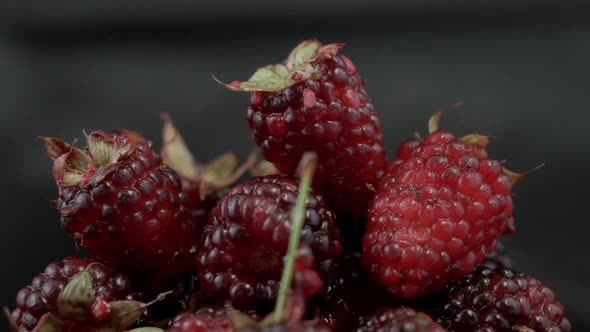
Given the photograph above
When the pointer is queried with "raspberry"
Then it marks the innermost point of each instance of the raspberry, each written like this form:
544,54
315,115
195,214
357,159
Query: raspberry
40,297
241,254
349,297
500,300
308,326
317,102
227,320
205,319
118,200
400,320
437,214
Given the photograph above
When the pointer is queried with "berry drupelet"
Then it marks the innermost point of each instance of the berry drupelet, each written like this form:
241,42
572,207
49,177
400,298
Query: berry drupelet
241,254
438,212
203,320
41,296
494,300
349,297
316,101
400,320
118,200
306,326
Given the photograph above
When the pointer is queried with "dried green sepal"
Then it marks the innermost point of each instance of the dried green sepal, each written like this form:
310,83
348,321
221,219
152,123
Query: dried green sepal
297,68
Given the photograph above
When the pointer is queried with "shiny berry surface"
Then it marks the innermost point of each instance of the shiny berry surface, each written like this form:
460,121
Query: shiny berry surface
438,212
40,296
494,300
349,297
241,254
203,320
400,320
331,114
133,214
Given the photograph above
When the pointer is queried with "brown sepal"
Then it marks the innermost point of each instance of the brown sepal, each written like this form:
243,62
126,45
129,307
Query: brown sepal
49,323
521,328
516,177
211,177
11,323
69,162
435,118
476,139
105,149
264,168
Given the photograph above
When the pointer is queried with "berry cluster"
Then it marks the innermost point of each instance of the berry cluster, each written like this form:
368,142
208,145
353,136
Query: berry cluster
327,235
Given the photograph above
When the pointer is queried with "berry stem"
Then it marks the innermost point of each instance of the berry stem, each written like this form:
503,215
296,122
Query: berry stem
307,167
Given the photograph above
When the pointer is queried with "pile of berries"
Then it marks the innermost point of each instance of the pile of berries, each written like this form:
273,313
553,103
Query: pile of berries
327,235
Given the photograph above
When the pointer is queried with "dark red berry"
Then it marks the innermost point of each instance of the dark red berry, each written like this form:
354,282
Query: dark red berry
40,297
317,102
349,296
203,320
242,248
400,320
437,214
306,326
118,200
185,296
500,300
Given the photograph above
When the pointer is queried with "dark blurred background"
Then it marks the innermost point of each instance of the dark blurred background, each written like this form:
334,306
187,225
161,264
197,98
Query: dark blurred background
522,68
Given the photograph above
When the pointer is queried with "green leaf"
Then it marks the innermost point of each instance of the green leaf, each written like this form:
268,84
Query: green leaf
77,297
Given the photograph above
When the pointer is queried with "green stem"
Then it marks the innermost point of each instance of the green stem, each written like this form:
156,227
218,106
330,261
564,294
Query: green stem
307,168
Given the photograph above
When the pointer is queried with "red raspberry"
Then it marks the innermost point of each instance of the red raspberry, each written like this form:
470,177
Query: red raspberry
40,297
124,205
400,320
203,320
242,248
349,297
500,300
438,212
317,102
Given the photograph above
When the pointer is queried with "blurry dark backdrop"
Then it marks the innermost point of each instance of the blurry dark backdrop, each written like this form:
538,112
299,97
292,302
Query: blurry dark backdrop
522,68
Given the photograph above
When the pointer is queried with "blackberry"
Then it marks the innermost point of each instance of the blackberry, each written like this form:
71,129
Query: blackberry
500,299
